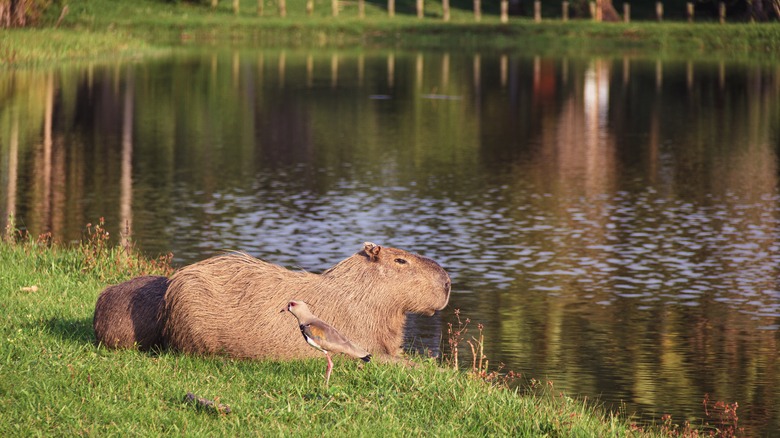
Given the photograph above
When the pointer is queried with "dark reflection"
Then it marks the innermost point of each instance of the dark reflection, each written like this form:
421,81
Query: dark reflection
611,222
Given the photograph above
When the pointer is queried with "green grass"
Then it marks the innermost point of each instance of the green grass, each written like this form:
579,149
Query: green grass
94,29
46,46
55,381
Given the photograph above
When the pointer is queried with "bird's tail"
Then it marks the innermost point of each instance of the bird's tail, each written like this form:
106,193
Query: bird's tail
366,358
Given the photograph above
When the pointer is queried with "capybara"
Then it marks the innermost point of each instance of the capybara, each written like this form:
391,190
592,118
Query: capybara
229,304
127,315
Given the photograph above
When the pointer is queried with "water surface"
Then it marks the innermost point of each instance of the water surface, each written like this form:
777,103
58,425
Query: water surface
612,223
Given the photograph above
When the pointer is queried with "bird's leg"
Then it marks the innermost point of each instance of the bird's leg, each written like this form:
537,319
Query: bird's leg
330,368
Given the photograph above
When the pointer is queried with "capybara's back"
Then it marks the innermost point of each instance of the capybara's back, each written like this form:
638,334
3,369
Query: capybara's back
230,304
127,315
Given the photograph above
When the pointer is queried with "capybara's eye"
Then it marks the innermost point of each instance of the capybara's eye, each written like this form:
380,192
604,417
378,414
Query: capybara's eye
401,261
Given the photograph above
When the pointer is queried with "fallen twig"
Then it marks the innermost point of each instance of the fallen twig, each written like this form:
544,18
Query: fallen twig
204,403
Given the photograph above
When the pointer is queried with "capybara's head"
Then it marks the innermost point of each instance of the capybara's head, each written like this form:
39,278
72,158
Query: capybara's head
415,283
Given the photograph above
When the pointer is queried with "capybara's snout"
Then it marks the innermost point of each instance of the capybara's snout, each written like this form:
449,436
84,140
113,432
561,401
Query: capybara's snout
447,290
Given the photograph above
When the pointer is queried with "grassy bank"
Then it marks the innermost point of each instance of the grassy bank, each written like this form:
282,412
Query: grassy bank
55,381
102,28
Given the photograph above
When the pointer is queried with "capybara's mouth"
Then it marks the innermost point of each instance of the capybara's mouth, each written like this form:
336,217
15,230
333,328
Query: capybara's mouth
447,290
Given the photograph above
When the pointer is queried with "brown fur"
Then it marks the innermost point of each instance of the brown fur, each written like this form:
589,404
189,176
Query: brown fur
230,304
127,315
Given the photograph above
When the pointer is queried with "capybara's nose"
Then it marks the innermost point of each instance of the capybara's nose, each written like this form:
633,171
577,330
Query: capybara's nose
447,289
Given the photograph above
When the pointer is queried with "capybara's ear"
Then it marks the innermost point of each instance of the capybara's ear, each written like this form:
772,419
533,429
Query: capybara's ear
372,250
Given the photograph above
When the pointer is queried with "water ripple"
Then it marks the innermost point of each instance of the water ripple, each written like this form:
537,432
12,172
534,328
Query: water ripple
640,246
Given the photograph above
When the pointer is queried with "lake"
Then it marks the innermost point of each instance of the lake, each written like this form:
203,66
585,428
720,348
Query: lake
613,223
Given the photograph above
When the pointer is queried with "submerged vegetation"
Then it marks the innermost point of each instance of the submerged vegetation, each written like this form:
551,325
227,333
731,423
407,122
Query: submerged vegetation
55,381
101,28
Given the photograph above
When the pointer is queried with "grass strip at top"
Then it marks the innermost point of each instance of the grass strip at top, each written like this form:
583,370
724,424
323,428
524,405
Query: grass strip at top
55,381
102,28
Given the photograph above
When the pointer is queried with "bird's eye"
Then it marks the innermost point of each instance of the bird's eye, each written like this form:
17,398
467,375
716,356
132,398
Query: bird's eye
401,261
292,304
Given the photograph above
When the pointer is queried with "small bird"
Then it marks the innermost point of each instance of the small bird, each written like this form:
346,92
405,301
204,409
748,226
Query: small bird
323,337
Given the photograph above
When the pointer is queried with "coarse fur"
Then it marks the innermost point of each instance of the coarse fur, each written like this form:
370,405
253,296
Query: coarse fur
127,315
229,304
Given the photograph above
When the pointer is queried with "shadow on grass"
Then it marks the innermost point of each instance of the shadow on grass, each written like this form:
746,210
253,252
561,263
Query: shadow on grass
78,330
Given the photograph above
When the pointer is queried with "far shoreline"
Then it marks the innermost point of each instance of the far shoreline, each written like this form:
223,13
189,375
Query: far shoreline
151,28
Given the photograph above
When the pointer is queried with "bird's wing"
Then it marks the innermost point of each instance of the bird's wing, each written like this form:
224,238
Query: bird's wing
311,338
329,339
